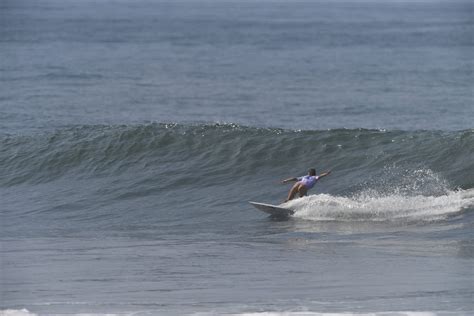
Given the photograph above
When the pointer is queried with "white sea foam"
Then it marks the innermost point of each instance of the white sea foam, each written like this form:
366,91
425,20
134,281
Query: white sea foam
25,312
16,312
375,207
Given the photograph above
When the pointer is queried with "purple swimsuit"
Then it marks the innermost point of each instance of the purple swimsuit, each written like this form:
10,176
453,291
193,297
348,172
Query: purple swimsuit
308,181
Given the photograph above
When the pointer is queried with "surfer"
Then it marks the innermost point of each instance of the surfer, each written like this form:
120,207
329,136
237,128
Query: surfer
304,183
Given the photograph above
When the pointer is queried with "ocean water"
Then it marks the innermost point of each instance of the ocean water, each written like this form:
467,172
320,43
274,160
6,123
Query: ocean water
134,133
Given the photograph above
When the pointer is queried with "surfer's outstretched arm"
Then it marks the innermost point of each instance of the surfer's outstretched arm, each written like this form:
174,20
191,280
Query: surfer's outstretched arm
289,180
324,174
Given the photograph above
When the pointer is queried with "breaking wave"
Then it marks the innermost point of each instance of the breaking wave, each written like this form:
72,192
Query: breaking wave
370,206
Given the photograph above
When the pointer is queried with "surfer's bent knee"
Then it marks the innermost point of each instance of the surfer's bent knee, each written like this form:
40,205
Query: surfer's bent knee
302,190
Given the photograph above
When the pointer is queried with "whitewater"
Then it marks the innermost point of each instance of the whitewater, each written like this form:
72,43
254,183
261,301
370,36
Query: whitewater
368,206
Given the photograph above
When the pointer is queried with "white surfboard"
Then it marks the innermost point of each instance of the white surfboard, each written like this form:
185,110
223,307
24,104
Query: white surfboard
273,210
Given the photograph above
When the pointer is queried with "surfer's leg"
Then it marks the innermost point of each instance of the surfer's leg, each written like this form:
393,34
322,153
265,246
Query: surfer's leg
295,189
292,192
302,190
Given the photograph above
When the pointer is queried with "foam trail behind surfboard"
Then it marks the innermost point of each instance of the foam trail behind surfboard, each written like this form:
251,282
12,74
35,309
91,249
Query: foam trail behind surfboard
372,207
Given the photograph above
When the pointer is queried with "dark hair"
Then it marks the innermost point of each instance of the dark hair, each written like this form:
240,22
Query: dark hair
312,172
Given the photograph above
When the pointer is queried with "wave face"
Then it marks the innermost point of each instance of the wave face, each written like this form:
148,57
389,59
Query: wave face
409,159
96,173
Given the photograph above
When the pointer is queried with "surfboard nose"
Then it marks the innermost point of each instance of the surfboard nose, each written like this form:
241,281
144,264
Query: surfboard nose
273,210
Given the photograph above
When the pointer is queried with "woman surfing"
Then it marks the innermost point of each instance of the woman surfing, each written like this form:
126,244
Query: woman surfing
304,183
